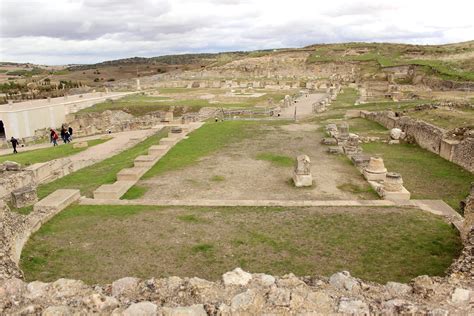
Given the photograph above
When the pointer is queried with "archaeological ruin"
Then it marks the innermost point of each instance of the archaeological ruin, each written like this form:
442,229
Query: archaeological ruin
306,181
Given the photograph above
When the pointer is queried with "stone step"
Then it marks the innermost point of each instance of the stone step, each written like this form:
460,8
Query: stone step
131,174
146,161
113,191
168,141
158,149
57,201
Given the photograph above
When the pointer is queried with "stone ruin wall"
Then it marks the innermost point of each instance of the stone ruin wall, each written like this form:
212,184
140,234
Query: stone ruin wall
429,137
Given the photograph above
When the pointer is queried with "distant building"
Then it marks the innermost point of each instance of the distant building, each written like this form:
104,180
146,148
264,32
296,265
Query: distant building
22,119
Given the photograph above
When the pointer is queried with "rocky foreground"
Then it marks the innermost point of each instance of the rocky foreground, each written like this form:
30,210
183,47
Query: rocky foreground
240,292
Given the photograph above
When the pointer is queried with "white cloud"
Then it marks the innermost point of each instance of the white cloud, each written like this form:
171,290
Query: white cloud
87,31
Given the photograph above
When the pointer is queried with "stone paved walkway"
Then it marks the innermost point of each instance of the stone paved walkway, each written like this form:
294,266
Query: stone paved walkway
437,207
304,106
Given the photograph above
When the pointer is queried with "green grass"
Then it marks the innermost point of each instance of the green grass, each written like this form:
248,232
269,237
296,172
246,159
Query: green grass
27,158
447,119
278,160
367,128
425,174
99,244
135,192
90,178
202,142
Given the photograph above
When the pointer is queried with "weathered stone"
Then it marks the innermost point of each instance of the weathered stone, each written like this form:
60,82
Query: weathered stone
353,307
344,281
125,286
12,166
395,133
236,277
398,289
37,289
249,301
302,173
25,196
397,306
103,303
194,310
461,296
57,311
142,309
67,288
279,297
329,141
335,150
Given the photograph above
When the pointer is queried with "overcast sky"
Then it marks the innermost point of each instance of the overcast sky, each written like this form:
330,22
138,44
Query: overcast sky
88,31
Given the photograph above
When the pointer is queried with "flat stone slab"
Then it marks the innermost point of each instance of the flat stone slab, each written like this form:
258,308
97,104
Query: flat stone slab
404,194
168,141
131,174
146,161
113,191
158,149
58,200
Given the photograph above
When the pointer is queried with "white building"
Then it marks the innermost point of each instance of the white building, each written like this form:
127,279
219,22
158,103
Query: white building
23,119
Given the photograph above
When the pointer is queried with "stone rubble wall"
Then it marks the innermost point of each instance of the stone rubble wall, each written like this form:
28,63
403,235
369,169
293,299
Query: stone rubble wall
429,137
13,180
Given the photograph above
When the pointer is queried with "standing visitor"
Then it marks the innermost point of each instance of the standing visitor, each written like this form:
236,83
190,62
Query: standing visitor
14,142
54,137
70,133
63,134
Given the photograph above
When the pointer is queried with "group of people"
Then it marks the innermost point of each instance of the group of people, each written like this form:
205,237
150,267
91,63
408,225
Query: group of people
66,135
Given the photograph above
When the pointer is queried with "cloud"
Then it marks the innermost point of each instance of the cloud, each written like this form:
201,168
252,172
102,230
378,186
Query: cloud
87,31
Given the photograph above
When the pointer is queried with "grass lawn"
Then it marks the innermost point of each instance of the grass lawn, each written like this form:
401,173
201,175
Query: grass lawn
31,157
445,118
103,243
90,178
367,128
202,142
425,174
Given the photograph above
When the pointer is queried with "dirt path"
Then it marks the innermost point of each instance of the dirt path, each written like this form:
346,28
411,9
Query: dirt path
304,106
236,174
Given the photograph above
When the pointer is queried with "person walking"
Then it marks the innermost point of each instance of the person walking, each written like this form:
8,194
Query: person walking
70,133
14,142
63,134
54,137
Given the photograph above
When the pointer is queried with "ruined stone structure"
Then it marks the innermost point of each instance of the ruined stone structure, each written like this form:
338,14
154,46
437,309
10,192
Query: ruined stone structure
430,137
302,173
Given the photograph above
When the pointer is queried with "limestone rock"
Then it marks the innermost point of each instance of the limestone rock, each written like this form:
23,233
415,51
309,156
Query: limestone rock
353,307
343,281
460,296
66,288
102,303
12,166
125,286
194,310
57,311
36,290
141,309
236,277
249,301
264,279
25,196
279,297
395,133
398,289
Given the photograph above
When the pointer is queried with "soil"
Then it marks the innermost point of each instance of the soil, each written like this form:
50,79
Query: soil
235,173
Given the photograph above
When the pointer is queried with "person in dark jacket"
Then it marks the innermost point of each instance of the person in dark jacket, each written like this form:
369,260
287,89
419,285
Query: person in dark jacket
70,133
63,135
14,142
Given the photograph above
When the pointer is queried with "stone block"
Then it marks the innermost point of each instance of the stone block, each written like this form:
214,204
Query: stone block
131,174
329,141
146,161
25,196
58,200
158,149
168,141
447,148
12,166
80,145
335,150
403,194
113,191
303,180
372,176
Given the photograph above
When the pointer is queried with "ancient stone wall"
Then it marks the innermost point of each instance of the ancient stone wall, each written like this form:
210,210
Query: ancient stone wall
13,180
429,137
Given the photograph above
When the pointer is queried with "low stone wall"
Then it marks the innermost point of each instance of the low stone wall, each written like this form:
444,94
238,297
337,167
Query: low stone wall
13,180
429,137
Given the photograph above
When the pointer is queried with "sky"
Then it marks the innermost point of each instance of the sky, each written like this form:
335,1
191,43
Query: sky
56,32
